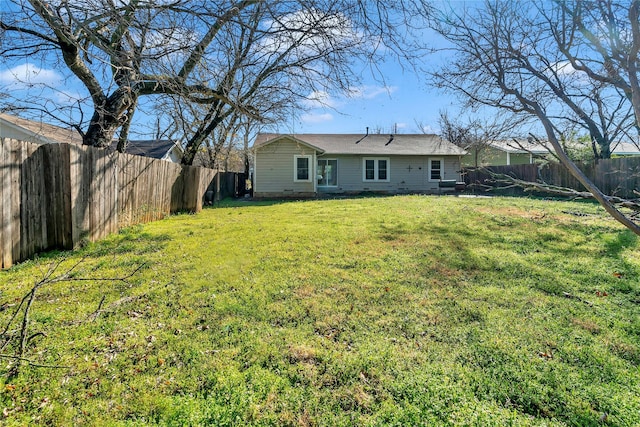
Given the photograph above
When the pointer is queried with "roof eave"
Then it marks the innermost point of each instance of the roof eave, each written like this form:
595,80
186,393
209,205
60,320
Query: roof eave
41,139
293,138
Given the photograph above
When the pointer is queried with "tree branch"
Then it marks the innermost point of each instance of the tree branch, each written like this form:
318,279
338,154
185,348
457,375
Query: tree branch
47,279
557,190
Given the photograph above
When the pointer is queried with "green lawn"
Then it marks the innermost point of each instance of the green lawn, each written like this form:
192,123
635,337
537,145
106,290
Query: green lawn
411,310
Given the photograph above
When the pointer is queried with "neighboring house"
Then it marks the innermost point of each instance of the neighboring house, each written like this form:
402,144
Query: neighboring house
305,165
43,133
625,149
518,152
163,149
37,132
498,153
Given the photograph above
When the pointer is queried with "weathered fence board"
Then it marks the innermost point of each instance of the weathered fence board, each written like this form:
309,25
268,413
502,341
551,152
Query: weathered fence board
615,177
15,203
5,206
56,195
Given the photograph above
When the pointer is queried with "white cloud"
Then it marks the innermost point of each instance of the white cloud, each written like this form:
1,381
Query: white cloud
68,97
321,99
564,68
337,32
316,118
26,75
428,129
370,92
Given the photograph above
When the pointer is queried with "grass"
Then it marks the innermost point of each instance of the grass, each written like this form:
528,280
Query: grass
402,311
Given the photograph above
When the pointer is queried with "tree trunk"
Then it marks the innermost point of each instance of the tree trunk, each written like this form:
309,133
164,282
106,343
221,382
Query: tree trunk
194,144
604,200
107,118
246,152
123,138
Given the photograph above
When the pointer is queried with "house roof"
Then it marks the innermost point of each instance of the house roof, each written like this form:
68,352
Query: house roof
520,146
154,148
42,132
524,146
626,149
372,144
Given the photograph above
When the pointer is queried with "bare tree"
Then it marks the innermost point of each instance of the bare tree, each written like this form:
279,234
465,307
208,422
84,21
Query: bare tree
601,39
477,134
508,56
224,56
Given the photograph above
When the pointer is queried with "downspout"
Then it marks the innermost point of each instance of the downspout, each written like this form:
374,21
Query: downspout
314,170
254,177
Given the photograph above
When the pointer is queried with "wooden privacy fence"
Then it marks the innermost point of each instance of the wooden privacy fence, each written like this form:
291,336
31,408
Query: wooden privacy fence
56,195
615,177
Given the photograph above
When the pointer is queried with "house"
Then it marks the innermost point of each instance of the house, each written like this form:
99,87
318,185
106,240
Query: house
498,153
162,149
625,149
43,133
306,165
36,132
518,152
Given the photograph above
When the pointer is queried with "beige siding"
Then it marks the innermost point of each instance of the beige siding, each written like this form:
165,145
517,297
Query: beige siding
520,159
406,174
274,172
490,156
274,169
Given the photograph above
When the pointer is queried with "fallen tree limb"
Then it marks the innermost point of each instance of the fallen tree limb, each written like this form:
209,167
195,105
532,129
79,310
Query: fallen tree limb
571,296
510,182
32,363
21,314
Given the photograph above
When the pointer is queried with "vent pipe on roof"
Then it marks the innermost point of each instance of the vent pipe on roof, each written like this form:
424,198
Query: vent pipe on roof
389,141
367,134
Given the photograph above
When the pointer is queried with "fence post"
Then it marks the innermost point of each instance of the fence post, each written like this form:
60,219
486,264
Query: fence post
217,196
6,258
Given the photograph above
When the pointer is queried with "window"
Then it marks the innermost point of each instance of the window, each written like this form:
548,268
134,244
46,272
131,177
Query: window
327,172
382,170
302,168
375,169
436,169
370,169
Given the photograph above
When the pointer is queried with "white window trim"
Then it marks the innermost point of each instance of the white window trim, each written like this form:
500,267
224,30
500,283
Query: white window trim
431,159
375,169
295,168
337,166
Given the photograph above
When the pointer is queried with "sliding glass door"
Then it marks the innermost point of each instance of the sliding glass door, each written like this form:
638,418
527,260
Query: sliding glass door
327,172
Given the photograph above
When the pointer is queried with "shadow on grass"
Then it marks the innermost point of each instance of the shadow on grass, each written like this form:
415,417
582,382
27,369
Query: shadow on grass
232,203
621,241
128,241
544,261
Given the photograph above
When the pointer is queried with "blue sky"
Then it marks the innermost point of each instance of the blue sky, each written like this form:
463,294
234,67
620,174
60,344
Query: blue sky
400,102
397,103
403,101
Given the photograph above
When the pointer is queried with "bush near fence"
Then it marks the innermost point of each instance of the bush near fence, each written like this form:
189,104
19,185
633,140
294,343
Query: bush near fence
615,177
56,195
